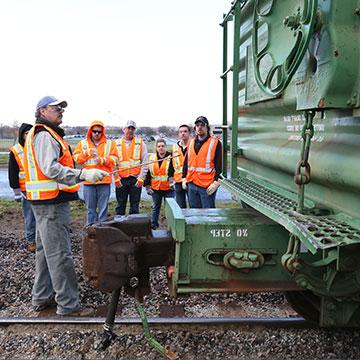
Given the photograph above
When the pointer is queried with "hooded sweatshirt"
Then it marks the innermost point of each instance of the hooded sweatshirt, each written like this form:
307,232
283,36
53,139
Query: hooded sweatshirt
102,155
13,167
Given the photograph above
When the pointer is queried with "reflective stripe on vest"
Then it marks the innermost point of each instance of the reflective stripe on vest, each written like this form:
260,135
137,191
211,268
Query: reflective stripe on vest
178,161
86,151
207,167
127,160
38,186
201,167
18,152
159,175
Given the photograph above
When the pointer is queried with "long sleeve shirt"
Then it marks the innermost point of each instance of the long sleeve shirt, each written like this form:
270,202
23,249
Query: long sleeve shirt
47,153
217,159
144,159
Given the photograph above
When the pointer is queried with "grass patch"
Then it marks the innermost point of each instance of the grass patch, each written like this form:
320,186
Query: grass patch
6,204
4,159
78,208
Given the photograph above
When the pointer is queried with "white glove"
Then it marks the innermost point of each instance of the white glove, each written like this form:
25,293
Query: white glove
172,183
213,187
17,195
149,190
92,175
183,184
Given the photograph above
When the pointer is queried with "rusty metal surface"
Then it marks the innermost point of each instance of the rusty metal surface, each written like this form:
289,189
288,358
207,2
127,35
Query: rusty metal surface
124,248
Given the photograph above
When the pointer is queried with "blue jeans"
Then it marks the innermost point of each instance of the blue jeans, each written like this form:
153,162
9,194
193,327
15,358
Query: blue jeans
180,195
54,266
128,189
29,220
96,198
158,196
198,197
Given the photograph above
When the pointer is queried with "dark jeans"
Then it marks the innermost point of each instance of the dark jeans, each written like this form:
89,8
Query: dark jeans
128,189
29,219
198,197
180,195
158,196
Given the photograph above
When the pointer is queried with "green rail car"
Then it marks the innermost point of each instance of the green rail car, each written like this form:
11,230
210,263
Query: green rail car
294,146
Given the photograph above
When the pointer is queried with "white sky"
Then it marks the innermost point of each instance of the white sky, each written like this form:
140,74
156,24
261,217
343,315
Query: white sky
157,62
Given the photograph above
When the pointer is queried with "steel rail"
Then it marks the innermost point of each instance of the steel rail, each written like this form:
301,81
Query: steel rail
258,321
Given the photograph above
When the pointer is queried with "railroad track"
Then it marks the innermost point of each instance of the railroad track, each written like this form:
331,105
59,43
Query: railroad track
243,321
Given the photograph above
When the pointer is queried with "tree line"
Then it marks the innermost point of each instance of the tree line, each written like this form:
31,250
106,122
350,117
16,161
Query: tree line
11,131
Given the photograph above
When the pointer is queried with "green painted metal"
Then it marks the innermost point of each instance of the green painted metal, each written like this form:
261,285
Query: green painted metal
276,83
152,341
224,24
235,104
226,250
289,25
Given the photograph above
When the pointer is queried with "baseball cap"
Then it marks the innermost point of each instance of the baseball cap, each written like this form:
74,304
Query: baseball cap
202,119
130,123
50,100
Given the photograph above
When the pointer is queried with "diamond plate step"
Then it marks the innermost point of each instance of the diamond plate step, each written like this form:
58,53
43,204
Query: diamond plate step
315,232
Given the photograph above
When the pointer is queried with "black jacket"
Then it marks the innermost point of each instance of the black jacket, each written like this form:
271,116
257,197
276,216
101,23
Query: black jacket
13,167
217,160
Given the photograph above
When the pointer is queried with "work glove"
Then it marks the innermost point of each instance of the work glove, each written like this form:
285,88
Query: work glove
139,183
118,184
92,175
149,190
17,195
172,183
184,184
212,187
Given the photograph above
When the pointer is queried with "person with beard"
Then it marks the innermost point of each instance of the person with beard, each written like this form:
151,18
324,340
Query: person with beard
16,174
96,151
202,166
51,182
179,151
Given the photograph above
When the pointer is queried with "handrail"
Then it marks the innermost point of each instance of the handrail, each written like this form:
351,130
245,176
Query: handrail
228,16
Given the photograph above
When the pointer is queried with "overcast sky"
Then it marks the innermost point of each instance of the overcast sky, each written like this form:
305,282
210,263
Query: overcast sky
156,62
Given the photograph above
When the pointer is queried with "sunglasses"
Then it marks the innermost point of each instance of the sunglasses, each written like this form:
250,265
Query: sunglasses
97,131
57,108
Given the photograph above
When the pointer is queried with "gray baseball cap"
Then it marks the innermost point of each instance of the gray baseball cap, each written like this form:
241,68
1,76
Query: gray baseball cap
130,123
50,100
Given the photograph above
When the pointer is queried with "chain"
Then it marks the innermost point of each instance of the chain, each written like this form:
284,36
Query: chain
302,172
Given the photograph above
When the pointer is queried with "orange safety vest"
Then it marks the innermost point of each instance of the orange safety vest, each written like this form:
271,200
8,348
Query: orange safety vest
38,186
159,175
18,151
105,149
178,161
129,157
201,168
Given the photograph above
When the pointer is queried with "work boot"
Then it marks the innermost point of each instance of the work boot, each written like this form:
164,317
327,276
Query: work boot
31,247
85,312
41,307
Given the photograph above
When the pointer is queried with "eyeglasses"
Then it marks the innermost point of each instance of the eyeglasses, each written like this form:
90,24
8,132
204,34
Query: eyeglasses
200,124
57,108
97,131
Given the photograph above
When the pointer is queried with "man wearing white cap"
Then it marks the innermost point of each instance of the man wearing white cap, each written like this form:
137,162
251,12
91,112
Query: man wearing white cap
132,153
51,181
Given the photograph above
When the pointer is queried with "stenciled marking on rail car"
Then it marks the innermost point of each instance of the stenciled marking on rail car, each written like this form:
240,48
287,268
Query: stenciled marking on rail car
224,233
295,123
